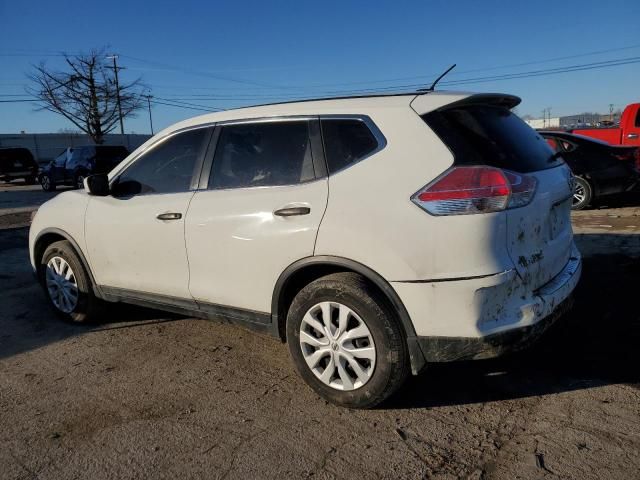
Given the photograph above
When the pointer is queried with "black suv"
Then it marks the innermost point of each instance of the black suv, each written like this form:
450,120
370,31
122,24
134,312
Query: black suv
74,164
18,163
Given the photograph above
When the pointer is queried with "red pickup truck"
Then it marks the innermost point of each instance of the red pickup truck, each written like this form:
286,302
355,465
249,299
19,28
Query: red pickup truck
627,134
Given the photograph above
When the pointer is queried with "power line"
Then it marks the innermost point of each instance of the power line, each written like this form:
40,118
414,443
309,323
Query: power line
199,72
187,103
181,106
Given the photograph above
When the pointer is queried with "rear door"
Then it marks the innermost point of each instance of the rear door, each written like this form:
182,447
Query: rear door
539,235
632,134
56,171
258,211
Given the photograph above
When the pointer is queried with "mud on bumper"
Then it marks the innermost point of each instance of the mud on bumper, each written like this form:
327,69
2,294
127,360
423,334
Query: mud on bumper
554,299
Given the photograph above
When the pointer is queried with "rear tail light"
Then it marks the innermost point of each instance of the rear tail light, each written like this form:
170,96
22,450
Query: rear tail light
468,190
631,156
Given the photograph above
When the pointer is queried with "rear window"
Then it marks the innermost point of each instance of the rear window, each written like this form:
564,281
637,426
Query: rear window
346,142
22,155
486,135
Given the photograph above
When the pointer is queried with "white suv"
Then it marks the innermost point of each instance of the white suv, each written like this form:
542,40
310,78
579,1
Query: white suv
373,234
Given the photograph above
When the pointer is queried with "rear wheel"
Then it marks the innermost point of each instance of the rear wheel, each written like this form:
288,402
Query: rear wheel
67,283
582,194
48,185
345,341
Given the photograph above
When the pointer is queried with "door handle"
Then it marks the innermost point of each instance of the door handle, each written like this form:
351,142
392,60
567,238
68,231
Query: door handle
632,136
292,211
169,216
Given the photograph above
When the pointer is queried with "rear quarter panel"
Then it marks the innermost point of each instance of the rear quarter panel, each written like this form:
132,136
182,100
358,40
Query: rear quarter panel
370,217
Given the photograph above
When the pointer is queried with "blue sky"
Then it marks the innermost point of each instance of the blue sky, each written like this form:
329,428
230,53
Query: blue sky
247,52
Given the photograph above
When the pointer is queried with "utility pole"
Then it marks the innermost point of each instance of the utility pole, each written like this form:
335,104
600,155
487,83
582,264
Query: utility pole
115,71
611,111
549,115
544,118
150,119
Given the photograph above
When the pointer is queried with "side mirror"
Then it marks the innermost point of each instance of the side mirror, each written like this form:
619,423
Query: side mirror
97,185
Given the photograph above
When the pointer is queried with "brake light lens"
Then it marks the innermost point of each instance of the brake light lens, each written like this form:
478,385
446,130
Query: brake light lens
470,190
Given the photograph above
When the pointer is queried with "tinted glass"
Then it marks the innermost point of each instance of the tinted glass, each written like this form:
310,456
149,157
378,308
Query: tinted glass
485,135
166,168
346,142
60,160
262,154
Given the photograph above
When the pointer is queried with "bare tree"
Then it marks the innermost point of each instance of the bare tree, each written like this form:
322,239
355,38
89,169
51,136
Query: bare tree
86,93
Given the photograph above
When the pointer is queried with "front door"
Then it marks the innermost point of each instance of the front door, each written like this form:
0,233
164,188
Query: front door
135,237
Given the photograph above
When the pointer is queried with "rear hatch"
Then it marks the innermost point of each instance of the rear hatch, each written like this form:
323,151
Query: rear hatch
484,132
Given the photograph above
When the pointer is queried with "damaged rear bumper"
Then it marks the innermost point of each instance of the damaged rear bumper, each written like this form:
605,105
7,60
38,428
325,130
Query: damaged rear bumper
500,314
450,349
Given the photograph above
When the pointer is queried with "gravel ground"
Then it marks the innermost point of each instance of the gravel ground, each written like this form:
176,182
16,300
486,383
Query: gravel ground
151,395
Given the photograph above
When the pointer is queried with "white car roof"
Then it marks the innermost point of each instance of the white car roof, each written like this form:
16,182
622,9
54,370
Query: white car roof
346,105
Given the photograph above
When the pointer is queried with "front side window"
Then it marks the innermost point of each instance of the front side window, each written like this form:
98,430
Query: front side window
346,141
166,168
262,154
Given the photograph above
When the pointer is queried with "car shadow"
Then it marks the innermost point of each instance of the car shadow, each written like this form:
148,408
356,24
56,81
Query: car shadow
27,322
594,344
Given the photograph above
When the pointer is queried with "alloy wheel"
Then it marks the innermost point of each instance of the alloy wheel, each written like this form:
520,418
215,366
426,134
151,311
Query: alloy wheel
62,285
579,194
337,346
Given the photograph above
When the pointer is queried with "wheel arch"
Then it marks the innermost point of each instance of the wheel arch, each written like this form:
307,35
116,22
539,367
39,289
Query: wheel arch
300,273
51,235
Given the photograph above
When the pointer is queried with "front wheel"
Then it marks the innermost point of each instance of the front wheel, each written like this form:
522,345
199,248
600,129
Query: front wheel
582,194
48,185
67,284
346,342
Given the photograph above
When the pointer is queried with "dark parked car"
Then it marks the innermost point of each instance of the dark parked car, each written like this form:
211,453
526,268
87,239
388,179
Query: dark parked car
17,163
599,168
73,165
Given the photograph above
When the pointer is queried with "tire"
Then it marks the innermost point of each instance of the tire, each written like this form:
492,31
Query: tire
30,180
47,183
78,181
383,372
582,194
83,307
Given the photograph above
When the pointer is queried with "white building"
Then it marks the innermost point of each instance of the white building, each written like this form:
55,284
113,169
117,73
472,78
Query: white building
544,122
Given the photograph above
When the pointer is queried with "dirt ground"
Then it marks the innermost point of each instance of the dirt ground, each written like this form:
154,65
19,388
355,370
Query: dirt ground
151,395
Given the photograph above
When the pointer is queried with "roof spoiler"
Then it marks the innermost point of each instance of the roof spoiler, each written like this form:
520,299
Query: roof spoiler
428,102
496,99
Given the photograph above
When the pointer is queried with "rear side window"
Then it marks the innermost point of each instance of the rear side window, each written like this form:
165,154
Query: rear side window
493,136
346,142
262,154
